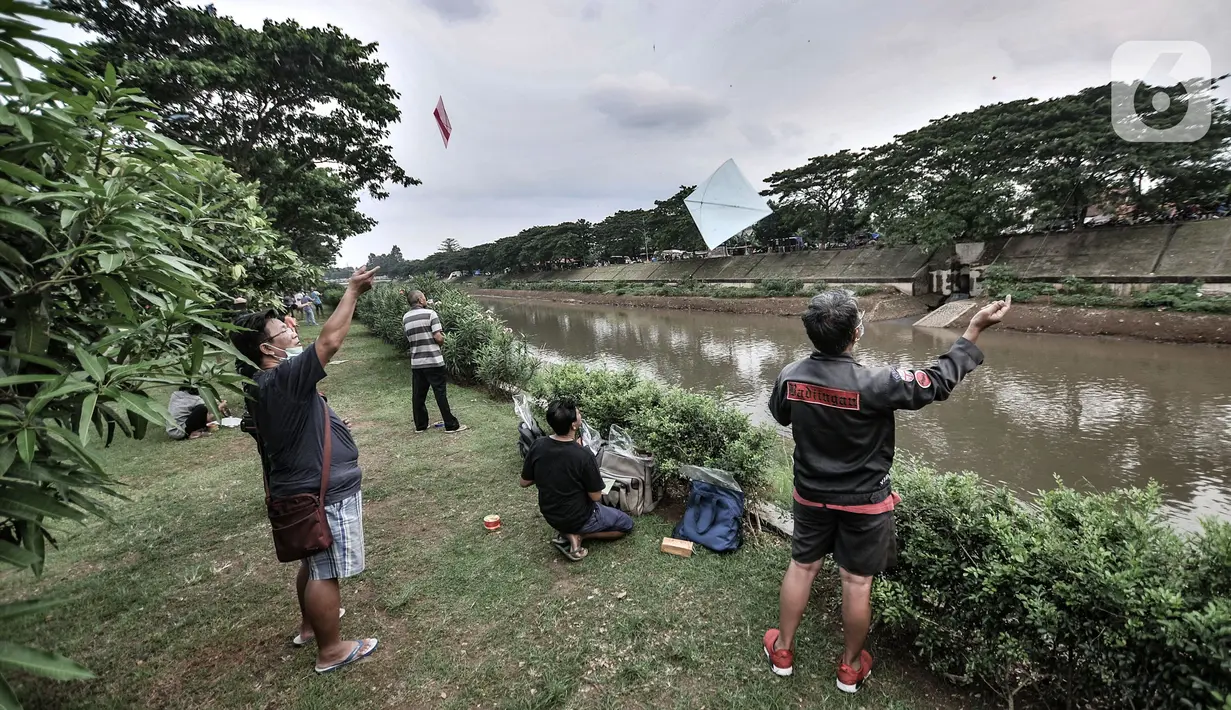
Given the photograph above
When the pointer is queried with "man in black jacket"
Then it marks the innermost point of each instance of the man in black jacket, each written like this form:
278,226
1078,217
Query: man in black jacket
842,417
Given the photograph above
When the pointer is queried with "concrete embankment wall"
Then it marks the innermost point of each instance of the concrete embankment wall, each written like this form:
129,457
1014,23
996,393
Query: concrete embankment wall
1122,258
903,267
1125,258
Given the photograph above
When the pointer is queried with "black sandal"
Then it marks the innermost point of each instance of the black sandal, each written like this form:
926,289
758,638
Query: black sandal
562,544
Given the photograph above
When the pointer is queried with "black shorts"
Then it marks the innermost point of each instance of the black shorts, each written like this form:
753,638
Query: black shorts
861,544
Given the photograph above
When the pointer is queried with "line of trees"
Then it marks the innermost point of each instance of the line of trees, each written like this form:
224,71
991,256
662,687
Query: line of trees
627,233
1026,165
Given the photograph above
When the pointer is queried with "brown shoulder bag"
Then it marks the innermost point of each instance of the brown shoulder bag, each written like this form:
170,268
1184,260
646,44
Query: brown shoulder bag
299,524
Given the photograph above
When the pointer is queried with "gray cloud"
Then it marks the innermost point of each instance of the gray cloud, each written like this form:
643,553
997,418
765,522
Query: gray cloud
684,85
647,101
460,10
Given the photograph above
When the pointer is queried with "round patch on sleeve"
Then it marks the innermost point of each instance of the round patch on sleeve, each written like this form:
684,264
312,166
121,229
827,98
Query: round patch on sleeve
907,375
923,379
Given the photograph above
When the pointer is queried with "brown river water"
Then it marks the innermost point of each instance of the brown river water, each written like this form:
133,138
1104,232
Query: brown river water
1097,413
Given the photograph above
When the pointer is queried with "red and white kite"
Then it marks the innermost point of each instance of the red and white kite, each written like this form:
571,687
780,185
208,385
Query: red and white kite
442,121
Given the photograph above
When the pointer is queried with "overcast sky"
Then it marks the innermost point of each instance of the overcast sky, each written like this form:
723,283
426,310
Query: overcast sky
567,109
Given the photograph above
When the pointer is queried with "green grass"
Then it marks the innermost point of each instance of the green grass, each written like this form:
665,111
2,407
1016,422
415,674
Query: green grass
181,604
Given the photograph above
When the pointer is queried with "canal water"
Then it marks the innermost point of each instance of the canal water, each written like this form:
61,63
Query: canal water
1097,413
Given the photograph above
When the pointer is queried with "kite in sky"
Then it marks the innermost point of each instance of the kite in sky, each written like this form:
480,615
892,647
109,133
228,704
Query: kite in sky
442,121
725,205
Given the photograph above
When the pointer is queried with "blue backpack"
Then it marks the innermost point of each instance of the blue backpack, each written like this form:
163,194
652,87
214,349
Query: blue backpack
715,509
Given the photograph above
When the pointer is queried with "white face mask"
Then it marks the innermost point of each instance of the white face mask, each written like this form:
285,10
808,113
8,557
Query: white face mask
288,353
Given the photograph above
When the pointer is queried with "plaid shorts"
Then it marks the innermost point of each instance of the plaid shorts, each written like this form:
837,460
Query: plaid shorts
345,557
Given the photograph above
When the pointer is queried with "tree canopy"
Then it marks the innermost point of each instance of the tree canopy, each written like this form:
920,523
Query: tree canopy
303,110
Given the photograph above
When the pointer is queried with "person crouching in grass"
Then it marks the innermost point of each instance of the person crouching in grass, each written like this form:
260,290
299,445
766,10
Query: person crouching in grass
570,486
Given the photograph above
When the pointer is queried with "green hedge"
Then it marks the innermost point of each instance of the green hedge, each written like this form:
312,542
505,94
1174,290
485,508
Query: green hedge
1186,298
678,426
1091,599
479,348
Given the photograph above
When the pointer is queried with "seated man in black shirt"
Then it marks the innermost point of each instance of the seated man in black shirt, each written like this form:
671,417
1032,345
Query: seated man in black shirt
569,485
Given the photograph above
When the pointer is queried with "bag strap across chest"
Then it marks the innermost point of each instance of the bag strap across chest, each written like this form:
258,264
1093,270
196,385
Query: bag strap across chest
327,454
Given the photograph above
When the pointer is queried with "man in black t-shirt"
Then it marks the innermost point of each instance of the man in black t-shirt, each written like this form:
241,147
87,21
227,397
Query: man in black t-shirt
570,486
293,420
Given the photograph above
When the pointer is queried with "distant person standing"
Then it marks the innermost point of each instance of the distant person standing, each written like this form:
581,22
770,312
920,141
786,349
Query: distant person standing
316,301
427,362
309,310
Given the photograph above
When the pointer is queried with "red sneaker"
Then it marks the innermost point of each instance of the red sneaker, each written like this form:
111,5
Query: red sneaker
850,679
781,661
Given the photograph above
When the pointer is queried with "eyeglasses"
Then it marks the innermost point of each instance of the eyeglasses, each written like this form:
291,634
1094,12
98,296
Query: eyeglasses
268,338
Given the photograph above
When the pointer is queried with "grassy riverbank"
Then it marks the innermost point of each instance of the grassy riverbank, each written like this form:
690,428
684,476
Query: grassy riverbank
886,304
180,603
766,288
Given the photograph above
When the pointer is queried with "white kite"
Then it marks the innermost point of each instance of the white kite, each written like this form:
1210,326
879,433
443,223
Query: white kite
725,205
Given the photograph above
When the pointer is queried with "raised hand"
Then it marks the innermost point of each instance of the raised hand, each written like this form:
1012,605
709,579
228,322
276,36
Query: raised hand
361,280
990,315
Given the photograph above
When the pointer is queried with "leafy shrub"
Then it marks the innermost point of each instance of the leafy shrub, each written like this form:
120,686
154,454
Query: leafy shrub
1166,295
331,295
1075,286
1003,281
733,292
868,290
505,359
678,426
1218,304
1089,598
1089,301
478,347
1182,297
998,279
780,287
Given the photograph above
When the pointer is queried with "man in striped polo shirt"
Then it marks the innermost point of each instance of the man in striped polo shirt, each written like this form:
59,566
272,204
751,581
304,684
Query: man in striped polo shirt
427,363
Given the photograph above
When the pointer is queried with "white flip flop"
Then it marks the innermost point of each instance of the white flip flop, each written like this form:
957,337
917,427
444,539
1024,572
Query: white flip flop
357,655
299,640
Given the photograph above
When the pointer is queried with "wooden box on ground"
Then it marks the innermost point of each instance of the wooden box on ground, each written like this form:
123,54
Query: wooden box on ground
683,548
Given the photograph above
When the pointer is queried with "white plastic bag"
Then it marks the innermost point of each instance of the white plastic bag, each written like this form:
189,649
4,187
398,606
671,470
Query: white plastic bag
521,405
713,476
619,440
590,438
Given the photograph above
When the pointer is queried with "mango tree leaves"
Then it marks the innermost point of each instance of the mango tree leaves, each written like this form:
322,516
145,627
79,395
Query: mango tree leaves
110,262
44,663
117,245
